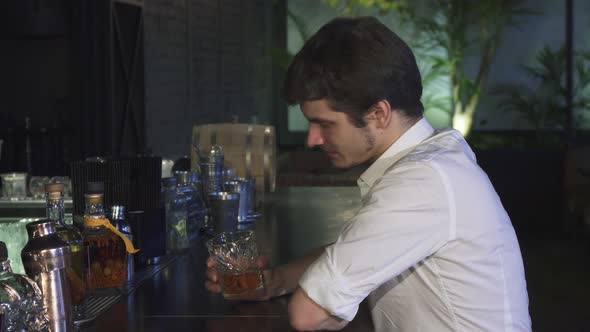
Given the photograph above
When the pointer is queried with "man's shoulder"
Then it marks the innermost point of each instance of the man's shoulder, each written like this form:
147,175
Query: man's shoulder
440,153
444,144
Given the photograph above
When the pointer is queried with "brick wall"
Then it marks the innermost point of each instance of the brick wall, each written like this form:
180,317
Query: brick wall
206,61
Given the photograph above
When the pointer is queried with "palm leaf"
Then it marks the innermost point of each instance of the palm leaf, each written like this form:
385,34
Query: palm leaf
300,25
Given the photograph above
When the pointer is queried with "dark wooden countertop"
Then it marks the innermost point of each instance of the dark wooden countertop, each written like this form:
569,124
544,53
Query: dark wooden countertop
295,220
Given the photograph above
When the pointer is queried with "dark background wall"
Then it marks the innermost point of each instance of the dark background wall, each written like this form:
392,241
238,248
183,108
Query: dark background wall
35,82
206,62
67,65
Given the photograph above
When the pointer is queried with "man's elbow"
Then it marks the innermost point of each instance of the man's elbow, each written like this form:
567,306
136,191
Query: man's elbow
298,320
299,325
302,321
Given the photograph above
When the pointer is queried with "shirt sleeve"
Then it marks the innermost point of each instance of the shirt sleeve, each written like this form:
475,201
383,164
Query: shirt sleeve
403,219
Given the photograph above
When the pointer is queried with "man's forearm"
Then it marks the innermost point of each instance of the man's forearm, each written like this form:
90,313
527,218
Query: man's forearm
285,278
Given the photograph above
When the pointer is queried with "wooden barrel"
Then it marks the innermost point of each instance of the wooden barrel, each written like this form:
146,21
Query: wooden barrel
249,149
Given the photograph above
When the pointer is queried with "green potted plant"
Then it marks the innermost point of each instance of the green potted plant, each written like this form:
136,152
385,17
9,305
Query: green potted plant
543,105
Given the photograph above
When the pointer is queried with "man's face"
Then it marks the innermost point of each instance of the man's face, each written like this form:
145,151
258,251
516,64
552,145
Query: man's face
345,144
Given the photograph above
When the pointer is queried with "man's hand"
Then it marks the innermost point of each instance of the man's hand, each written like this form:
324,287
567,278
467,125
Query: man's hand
212,282
278,281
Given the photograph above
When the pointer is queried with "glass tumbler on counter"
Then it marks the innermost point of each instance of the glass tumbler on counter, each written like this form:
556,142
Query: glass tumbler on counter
14,186
37,186
236,256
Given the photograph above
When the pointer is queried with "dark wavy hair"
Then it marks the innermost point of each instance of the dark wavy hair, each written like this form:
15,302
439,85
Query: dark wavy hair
353,63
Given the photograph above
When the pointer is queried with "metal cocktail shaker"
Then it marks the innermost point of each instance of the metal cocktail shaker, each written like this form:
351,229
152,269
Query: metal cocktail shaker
241,187
45,259
224,209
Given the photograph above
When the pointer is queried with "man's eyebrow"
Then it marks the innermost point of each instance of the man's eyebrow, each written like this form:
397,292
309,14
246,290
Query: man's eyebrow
320,120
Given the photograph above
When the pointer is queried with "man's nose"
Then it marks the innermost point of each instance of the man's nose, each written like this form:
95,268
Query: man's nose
314,136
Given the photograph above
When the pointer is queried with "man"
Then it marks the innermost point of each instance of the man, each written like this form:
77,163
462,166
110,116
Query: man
431,246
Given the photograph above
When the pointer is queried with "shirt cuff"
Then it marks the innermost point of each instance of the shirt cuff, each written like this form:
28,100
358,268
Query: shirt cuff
329,290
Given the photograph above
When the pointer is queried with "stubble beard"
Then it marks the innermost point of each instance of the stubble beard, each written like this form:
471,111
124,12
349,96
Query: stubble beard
369,139
370,142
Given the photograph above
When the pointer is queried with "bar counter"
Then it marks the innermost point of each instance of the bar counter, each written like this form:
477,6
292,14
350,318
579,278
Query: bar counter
295,220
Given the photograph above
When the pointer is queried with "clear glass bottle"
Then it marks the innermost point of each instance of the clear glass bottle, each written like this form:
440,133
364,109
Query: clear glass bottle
117,217
193,201
176,217
194,179
21,300
106,257
54,196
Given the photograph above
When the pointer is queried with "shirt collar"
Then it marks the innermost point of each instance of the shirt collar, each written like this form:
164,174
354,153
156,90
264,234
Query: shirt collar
420,131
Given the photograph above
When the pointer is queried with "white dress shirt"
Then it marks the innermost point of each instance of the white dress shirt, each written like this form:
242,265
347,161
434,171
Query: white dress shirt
431,245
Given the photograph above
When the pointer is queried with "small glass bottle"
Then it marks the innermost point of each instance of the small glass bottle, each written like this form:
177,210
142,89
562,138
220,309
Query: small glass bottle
119,221
106,248
54,196
21,300
176,217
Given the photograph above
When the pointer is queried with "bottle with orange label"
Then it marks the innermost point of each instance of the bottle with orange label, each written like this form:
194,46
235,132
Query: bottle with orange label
106,247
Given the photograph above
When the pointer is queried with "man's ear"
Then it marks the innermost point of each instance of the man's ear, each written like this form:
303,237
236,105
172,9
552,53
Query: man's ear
381,113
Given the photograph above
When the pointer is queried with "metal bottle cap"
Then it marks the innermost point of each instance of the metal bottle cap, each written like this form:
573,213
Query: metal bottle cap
40,228
54,187
216,154
216,150
45,251
95,188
